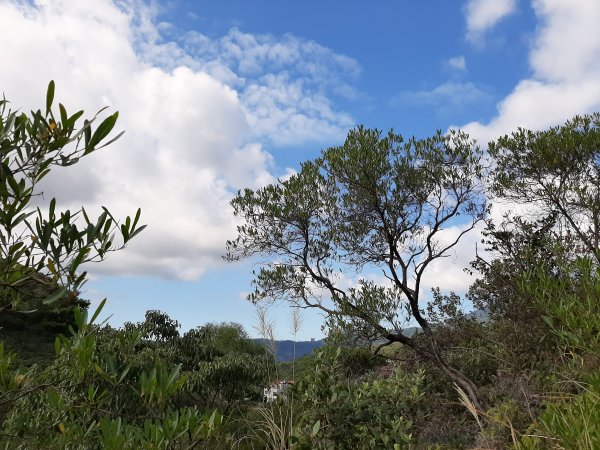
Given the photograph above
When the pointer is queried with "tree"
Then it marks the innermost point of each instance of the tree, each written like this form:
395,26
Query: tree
558,172
40,246
227,366
376,201
222,365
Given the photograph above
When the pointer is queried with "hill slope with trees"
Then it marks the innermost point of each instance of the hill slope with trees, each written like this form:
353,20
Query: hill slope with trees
527,377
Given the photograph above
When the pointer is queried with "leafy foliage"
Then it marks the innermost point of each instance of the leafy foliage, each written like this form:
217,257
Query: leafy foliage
376,201
91,398
556,170
345,412
36,241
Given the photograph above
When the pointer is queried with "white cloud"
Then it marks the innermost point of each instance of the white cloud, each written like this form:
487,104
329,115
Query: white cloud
279,109
565,63
449,273
450,95
567,47
457,63
482,15
195,123
285,83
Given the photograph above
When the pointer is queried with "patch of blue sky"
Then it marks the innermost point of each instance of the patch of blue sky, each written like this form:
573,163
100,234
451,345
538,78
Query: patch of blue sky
299,75
388,64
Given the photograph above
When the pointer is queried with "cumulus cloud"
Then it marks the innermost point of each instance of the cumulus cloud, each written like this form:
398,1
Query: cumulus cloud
196,126
565,64
482,15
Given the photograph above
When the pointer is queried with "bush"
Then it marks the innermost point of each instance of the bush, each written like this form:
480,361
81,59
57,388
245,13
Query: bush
338,412
90,399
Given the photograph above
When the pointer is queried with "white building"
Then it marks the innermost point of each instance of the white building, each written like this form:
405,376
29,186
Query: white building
276,390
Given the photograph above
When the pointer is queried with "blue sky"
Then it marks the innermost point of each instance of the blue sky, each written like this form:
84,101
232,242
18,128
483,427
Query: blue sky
218,96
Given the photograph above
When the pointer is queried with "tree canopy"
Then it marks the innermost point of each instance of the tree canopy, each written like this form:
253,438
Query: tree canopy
557,171
379,201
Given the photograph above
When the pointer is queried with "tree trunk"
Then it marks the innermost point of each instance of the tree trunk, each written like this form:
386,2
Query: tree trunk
461,380
436,358
464,383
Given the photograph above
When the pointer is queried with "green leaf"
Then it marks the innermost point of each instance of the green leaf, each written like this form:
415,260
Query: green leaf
53,398
136,232
137,217
49,96
56,296
87,127
71,122
63,114
124,374
79,319
98,311
102,131
315,429
117,137
52,208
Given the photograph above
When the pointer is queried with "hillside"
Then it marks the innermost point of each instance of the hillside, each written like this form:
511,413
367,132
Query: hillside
285,349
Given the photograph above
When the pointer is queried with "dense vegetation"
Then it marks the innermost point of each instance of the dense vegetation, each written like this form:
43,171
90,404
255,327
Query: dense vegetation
526,377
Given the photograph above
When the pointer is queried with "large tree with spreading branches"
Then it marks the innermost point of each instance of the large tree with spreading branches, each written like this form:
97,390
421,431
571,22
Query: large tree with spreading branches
377,201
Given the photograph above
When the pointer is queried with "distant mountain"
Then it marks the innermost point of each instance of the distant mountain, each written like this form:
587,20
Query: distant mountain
411,331
285,349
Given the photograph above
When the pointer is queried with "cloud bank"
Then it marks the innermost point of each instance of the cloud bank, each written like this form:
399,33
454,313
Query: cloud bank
564,59
199,114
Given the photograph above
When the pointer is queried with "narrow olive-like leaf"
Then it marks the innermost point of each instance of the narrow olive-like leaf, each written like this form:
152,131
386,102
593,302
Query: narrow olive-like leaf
21,217
137,217
125,232
173,374
52,208
98,311
315,429
136,232
102,131
60,293
57,345
87,127
78,317
10,122
79,259
124,374
51,267
118,136
49,96
71,122
63,114
100,222
42,174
